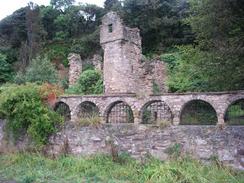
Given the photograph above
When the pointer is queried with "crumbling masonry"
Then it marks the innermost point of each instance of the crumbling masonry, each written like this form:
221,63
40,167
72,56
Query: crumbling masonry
128,96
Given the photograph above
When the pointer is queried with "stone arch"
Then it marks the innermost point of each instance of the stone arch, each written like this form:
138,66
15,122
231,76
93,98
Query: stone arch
198,112
234,113
87,109
63,109
156,111
119,112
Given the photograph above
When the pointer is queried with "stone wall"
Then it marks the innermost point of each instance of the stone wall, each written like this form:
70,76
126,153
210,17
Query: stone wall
202,142
75,67
152,73
206,143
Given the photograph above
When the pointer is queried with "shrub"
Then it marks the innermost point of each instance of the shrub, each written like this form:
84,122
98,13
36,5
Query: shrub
5,69
49,93
22,106
40,70
93,120
57,51
90,82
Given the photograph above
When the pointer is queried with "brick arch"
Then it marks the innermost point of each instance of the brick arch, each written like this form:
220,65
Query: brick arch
228,105
232,101
149,102
183,107
88,102
113,104
64,110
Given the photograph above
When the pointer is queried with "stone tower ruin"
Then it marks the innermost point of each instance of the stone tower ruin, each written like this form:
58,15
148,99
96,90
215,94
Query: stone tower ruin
122,54
124,69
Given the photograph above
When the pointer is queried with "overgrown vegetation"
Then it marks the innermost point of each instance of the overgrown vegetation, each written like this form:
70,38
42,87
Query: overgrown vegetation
199,39
100,168
40,70
92,120
89,82
23,107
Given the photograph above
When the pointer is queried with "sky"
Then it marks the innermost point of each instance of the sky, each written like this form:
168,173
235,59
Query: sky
7,7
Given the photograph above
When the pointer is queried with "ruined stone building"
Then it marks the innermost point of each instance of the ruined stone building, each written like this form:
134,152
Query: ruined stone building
124,70
202,124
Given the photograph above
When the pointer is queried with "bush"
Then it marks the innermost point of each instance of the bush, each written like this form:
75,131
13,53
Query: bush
49,93
22,106
87,45
90,82
40,70
93,120
5,69
58,52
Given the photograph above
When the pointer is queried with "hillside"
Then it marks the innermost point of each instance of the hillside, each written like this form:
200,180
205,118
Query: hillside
198,39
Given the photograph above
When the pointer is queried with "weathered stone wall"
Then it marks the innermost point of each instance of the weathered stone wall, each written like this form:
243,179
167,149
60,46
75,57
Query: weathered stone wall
75,67
96,61
202,142
152,74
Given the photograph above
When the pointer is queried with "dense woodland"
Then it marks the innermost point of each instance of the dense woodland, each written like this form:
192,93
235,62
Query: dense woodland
201,40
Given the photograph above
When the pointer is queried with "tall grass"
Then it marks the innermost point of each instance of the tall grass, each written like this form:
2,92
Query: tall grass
36,168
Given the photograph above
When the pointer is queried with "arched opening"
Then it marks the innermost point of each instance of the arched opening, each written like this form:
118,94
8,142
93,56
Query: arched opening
155,112
198,112
88,110
119,112
235,113
63,109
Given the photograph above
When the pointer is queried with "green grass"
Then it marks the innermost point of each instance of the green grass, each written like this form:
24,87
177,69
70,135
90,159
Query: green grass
26,168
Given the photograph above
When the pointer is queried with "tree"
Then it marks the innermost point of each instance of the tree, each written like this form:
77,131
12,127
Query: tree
40,70
216,61
48,15
35,32
61,4
112,5
160,23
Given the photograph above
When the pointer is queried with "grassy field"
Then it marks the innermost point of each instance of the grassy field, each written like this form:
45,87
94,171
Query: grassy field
27,168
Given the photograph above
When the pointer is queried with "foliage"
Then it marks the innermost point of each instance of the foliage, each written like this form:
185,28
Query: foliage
171,59
219,31
5,69
22,106
101,168
89,82
57,52
164,28
186,75
235,113
87,45
49,93
40,70
61,4
92,120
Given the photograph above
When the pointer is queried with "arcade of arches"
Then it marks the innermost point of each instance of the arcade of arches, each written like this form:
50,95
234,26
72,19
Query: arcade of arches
178,109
